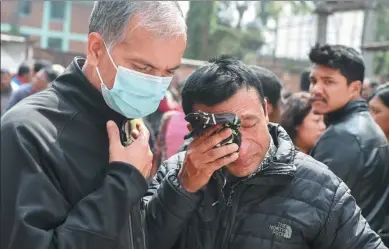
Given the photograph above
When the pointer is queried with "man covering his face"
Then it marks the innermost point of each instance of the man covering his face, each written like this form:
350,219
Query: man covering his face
261,194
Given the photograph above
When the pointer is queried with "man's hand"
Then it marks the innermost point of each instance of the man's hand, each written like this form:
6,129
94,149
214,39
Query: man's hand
138,153
203,159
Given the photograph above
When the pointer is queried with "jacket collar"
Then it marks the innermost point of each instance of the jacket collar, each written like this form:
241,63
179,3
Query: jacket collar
279,169
76,88
349,109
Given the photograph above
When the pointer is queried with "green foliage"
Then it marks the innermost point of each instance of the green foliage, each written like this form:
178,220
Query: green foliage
200,18
209,36
222,13
224,40
266,10
251,40
381,60
301,7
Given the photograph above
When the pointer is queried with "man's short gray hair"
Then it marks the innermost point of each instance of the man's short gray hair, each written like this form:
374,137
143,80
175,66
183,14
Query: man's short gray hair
111,18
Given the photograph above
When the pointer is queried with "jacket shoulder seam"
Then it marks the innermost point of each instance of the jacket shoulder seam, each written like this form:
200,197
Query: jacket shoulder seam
325,137
89,232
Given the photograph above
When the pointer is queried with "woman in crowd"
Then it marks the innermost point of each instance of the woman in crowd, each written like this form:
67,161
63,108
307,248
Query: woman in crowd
303,126
379,107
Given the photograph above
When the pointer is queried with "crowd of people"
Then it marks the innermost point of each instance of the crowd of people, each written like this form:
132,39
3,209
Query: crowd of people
97,155
27,81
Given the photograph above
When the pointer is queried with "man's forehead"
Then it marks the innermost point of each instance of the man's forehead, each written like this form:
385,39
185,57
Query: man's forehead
245,102
142,47
321,70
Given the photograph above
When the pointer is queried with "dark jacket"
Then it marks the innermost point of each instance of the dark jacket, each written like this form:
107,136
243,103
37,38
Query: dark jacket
57,188
356,150
293,202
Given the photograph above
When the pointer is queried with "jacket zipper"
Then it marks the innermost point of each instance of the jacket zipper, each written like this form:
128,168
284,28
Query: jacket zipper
232,209
143,222
131,231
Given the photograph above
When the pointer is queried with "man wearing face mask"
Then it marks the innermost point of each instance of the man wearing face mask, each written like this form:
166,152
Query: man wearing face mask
71,175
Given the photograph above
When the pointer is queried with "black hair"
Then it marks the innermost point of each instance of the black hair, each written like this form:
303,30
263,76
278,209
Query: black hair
304,81
40,64
271,84
382,92
296,108
347,60
23,69
50,74
217,81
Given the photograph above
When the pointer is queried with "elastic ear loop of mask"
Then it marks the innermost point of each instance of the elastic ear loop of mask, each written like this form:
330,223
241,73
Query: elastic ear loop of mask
109,55
113,63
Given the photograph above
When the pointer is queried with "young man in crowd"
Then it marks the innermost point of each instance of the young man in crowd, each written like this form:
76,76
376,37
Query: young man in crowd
6,89
70,178
353,146
39,82
23,76
263,194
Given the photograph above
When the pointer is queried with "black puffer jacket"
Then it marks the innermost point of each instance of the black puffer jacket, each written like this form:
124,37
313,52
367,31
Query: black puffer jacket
293,202
356,150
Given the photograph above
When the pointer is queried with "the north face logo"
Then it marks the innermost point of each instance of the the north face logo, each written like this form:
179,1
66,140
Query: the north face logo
282,230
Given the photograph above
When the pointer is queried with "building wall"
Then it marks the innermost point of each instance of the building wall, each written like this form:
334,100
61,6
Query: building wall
7,11
80,18
71,30
13,54
77,46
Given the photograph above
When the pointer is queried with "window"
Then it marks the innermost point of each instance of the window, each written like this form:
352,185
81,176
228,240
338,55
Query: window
54,43
25,7
57,10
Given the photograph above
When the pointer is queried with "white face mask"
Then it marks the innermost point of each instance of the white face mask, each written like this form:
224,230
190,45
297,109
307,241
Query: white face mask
134,94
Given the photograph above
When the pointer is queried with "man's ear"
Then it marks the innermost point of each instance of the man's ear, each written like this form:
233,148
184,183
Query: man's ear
356,88
94,48
189,126
270,108
266,110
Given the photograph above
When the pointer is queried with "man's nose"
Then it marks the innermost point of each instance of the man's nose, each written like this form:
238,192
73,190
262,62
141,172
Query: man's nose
322,127
316,88
244,147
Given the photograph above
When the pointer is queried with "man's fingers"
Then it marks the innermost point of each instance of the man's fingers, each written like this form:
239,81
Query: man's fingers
216,153
144,134
134,134
208,132
224,161
212,141
113,134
